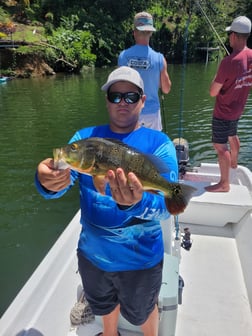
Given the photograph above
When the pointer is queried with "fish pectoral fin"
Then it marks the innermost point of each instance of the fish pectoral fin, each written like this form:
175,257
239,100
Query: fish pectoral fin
100,183
179,198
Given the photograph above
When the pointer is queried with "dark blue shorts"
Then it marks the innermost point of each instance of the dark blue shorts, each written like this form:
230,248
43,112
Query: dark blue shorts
222,129
136,291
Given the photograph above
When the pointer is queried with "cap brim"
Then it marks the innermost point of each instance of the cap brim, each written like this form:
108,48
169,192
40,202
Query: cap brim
146,28
106,86
228,29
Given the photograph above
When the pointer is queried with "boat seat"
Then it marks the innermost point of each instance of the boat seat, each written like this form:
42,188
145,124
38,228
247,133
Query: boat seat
167,301
228,207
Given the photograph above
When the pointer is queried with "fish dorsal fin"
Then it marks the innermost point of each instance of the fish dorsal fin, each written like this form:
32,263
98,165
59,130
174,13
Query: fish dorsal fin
159,164
115,140
120,143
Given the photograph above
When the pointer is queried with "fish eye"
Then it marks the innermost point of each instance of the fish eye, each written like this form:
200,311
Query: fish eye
74,147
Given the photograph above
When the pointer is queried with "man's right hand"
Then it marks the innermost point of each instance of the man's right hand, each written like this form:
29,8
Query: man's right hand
53,179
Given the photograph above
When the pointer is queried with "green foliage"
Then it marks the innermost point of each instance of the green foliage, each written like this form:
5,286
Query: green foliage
2,35
29,33
3,15
25,50
74,46
49,16
95,31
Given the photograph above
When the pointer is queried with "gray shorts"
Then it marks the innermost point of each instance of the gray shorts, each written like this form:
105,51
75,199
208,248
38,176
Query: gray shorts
136,291
222,129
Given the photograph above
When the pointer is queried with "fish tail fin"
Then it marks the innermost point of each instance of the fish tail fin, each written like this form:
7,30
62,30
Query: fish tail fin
177,201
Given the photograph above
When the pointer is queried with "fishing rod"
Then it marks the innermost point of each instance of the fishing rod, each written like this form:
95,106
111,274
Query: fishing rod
211,25
163,112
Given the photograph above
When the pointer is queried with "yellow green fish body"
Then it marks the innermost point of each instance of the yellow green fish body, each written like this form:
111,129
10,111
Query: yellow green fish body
95,156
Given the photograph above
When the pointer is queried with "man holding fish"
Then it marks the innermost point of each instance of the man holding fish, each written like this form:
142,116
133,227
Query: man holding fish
127,177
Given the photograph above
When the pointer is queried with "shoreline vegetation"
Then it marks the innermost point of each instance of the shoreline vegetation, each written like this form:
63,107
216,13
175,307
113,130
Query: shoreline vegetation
41,38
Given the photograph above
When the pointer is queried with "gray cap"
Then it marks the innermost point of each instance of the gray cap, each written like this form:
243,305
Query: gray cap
126,74
241,25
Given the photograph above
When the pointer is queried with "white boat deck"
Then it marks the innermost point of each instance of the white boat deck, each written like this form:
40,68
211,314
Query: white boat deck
215,300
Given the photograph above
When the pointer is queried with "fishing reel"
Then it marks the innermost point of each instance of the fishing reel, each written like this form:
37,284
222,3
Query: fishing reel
182,152
186,241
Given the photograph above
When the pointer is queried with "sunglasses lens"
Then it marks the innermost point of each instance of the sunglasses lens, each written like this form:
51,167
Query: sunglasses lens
132,97
129,97
114,97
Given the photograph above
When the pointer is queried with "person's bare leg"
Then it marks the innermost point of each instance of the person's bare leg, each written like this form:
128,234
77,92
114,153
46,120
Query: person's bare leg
110,322
150,326
234,150
224,159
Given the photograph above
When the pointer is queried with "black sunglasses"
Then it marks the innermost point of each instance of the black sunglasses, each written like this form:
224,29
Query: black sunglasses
129,97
